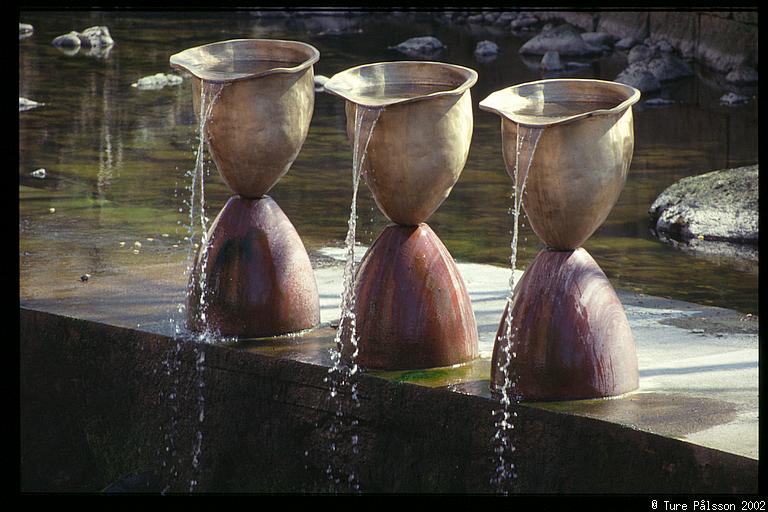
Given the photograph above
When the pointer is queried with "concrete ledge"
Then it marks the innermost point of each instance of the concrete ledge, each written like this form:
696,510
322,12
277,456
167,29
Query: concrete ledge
97,403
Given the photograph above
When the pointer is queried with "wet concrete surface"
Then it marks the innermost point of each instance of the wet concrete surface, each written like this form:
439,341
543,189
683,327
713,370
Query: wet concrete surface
698,364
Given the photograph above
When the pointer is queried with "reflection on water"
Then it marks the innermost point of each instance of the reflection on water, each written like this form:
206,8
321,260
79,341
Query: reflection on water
115,156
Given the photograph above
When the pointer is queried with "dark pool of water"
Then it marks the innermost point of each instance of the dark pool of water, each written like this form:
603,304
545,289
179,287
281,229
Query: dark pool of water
117,157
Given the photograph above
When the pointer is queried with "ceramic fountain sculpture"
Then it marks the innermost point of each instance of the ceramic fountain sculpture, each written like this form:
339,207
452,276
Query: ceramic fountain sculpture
412,308
258,277
572,337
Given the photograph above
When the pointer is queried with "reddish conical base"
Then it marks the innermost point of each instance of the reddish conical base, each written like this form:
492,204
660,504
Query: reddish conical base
572,336
258,278
412,308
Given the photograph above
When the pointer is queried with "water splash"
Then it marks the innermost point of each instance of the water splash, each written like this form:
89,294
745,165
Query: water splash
506,416
343,376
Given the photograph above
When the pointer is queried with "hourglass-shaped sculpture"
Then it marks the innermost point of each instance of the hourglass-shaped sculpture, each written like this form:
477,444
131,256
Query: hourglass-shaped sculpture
412,309
570,332
253,274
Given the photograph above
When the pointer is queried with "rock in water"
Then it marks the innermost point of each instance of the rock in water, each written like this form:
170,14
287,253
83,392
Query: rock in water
563,39
720,206
69,40
426,46
486,48
97,39
742,75
625,43
551,61
157,81
523,21
638,76
25,30
486,51
599,39
27,104
731,99
639,53
669,67
94,37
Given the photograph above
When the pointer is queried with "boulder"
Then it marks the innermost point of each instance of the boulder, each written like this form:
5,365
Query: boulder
551,61
523,21
96,37
421,47
742,75
505,19
625,43
638,76
486,51
563,39
69,40
639,53
667,66
476,18
717,206
664,46
599,39
95,40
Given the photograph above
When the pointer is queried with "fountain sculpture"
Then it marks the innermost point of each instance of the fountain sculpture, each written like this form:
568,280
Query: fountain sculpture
252,273
568,330
413,310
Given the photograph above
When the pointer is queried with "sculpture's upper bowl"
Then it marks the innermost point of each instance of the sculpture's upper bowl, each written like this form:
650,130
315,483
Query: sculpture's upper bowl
239,59
388,83
583,154
555,101
420,142
263,96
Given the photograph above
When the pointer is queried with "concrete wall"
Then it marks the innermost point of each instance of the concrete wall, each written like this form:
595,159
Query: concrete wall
98,402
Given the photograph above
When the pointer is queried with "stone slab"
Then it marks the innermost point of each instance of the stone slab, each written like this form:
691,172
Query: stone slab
98,367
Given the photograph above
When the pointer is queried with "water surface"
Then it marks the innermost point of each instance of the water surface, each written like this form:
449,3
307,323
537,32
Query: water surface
118,158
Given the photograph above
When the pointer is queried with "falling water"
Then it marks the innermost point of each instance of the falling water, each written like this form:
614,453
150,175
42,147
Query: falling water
342,377
506,471
209,93
173,458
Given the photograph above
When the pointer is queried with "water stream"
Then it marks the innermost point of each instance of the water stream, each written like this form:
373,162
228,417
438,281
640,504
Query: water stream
173,460
506,416
342,376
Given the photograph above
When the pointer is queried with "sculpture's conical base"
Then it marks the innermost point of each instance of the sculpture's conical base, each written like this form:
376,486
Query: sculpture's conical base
412,308
258,278
572,336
